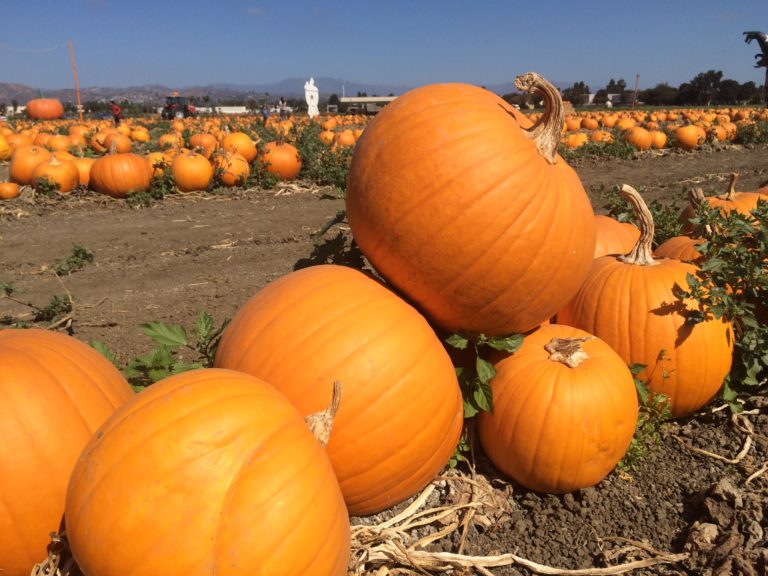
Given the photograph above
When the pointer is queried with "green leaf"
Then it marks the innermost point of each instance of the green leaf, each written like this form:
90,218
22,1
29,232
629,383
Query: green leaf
204,326
101,348
180,367
469,409
457,341
485,370
510,343
483,397
164,334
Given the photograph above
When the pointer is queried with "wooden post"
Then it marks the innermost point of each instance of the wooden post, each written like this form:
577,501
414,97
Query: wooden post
77,86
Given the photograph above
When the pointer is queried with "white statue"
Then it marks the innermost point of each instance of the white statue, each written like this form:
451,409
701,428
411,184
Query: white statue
313,97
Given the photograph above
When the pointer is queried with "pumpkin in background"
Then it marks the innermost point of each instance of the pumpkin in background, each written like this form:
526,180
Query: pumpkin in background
62,175
158,162
614,237
690,136
83,165
24,161
117,142
402,412
9,190
204,142
630,301
564,411
231,168
44,109
281,159
119,175
191,171
55,391
467,209
5,149
207,471
639,137
683,248
741,202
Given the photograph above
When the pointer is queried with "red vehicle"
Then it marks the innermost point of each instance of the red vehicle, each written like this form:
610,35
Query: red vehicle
177,107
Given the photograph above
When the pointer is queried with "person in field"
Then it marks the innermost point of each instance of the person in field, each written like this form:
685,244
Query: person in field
117,112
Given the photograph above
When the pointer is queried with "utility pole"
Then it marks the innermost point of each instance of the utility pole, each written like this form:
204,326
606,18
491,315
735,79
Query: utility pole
77,86
634,96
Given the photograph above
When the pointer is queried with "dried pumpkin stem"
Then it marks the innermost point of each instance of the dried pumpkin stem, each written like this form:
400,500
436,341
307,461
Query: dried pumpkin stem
730,194
321,423
642,253
546,132
567,351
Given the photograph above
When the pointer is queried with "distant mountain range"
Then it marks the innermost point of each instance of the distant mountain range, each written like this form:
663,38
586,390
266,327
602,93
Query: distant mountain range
213,93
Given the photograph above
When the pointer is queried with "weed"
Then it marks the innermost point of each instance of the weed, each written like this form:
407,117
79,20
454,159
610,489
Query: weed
76,261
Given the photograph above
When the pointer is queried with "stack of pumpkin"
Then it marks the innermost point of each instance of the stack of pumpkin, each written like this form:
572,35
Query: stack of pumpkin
476,225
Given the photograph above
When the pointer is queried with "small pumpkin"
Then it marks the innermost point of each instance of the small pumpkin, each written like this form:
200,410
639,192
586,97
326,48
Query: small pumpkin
24,161
614,237
63,175
9,190
241,143
741,202
231,168
564,411
205,471
56,391
281,159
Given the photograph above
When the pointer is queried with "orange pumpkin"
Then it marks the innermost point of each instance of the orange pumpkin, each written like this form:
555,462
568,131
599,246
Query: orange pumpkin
24,161
639,137
9,190
207,471
614,237
231,168
83,165
119,175
631,302
402,412
241,143
56,391
564,411
62,175
191,171
281,159
44,109
741,202
689,137
468,210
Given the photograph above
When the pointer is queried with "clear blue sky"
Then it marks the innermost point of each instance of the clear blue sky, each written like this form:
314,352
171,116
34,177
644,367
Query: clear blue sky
393,42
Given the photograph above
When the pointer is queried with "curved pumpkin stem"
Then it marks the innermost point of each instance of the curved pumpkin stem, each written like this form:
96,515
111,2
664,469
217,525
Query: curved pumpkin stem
642,253
697,199
546,132
730,194
321,423
567,351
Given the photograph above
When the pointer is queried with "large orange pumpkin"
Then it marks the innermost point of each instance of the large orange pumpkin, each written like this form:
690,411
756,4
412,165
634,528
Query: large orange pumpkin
24,161
468,210
62,175
191,171
54,392
564,411
119,175
44,109
631,302
401,414
209,471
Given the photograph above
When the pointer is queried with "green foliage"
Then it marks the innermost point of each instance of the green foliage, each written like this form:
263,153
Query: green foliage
159,188
47,188
651,422
475,380
77,260
320,162
462,448
666,217
163,361
57,307
752,133
733,283
618,148
260,178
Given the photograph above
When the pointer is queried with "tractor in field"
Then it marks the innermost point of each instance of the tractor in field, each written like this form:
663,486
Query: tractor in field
177,107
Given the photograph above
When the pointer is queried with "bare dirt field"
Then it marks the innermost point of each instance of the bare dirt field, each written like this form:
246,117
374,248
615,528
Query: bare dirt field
699,503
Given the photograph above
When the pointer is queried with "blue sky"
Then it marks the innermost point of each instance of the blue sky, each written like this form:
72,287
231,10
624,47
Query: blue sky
393,42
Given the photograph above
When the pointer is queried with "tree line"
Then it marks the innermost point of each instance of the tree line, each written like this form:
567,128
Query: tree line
705,89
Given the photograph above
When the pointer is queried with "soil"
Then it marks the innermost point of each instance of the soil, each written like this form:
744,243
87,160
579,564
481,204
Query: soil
693,512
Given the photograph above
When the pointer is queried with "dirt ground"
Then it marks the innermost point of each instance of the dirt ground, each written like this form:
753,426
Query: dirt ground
192,253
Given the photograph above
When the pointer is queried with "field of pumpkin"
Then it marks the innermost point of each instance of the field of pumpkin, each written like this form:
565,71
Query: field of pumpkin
487,342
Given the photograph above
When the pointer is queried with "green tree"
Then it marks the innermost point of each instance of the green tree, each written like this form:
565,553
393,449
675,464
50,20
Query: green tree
702,89
578,94
660,95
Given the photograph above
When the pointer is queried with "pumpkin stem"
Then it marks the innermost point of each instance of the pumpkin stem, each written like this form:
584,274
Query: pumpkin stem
567,351
697,199
545,133
730,194
642,253
321,423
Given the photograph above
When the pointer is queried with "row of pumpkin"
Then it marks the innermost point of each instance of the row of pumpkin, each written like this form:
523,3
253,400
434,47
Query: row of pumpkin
475,225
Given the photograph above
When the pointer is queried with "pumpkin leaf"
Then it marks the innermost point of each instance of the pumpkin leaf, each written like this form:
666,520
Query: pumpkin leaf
164,334
204,326
457,341
510,343
485,370
102,349
483,396
180,367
